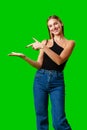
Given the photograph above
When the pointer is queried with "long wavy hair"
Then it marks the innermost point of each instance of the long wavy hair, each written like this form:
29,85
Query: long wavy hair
54,17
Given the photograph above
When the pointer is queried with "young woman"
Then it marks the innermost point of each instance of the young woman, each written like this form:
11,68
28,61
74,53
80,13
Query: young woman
49,78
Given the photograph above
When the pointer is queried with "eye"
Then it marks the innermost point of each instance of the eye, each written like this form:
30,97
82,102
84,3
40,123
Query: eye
50,26
56,23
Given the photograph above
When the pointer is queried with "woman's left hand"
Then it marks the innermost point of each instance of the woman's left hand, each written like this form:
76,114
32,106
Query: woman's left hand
36,45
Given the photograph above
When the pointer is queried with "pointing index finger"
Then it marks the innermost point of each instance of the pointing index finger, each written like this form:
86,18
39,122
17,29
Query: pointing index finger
35,39
29,45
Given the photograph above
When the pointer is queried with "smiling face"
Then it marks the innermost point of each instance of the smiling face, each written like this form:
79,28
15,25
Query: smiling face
55,26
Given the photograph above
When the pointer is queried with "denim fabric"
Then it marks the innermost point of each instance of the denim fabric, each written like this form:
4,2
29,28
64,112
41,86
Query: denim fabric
50,83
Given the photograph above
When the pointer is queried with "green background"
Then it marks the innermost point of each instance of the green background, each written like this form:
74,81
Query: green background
20,21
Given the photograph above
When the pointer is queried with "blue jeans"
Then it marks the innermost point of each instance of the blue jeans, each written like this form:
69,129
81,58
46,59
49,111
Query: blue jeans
50,83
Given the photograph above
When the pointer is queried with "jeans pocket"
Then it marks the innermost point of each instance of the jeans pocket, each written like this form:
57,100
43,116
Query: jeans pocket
39,73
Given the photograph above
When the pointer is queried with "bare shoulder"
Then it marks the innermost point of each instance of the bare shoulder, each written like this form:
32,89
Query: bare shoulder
70,43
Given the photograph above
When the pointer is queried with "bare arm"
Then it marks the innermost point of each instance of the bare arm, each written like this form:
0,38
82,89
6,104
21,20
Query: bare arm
59,59
37,64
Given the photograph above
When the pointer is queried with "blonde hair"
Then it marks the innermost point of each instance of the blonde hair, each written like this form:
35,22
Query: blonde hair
55,17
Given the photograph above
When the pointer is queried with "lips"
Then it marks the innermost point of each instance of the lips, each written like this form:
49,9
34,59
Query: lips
56,30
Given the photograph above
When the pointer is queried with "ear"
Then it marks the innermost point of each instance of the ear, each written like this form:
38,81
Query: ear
62,24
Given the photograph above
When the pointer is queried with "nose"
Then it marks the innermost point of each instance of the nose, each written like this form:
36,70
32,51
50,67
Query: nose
53,27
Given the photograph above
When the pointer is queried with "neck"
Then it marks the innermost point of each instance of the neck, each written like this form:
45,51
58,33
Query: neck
59,37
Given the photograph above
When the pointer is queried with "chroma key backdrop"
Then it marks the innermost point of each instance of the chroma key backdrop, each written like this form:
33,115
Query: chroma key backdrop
20,21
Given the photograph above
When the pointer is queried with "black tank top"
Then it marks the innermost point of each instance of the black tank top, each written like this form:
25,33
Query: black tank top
48,64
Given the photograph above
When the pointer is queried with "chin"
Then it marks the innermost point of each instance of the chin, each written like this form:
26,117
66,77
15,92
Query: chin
57,33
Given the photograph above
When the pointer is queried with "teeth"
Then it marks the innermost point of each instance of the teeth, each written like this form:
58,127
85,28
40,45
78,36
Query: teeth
55,30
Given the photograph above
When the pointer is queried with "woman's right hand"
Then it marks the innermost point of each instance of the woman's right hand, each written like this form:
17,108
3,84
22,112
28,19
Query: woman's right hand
16,54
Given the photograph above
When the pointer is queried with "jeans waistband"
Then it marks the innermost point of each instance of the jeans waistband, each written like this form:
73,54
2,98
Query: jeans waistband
49,71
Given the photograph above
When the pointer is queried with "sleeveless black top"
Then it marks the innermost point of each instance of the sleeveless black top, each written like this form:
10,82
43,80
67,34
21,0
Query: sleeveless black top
48,64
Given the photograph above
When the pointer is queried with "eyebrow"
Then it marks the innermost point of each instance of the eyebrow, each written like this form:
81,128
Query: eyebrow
53,23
